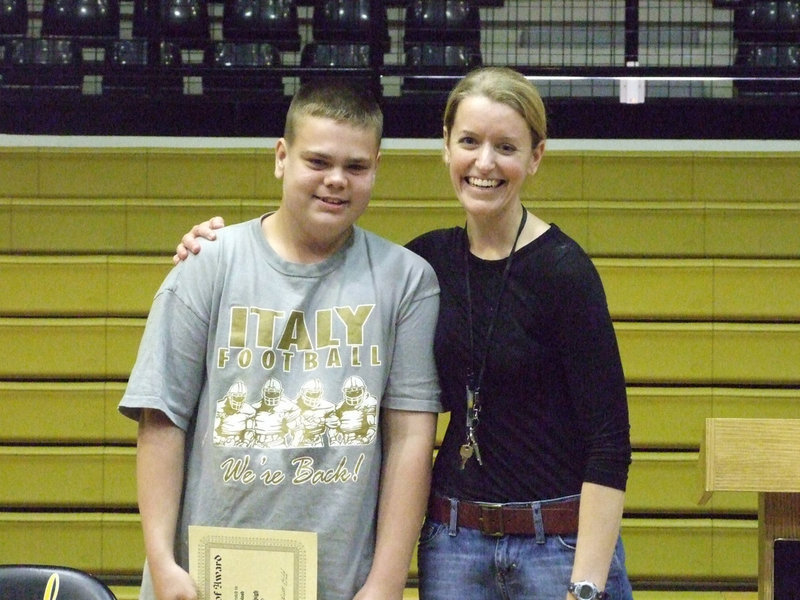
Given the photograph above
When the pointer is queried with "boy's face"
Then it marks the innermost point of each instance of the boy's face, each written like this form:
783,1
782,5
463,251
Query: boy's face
328,172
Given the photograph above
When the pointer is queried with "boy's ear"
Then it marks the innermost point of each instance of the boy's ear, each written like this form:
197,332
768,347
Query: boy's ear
375,170
281,151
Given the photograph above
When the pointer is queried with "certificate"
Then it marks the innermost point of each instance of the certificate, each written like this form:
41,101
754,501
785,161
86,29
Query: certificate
253,564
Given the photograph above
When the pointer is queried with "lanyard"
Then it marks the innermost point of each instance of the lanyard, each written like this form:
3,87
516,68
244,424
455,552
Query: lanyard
470,446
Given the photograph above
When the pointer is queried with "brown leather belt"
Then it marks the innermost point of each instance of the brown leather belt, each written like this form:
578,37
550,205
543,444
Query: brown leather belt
557,518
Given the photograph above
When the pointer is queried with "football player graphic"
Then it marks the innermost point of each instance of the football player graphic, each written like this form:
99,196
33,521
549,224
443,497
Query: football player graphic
357,415
275,417
232,417
317,415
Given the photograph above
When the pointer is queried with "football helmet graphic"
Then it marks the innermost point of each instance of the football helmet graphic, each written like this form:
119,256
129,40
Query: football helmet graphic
311,392
271,392
236,395
354,390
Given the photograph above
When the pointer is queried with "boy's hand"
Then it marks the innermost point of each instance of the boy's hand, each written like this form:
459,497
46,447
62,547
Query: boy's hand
174,583
189,243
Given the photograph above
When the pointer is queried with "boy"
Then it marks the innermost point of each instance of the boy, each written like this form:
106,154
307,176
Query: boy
251,349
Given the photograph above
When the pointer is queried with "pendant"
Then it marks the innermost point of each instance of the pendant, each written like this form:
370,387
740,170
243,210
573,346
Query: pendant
473,443
466,453
470,447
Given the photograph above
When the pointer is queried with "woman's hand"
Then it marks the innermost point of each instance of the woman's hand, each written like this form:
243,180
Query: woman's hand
189,243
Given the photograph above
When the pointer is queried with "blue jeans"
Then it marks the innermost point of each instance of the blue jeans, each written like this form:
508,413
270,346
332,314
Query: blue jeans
472,566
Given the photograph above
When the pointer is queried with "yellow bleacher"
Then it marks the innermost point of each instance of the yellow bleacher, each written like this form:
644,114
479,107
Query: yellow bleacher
699,252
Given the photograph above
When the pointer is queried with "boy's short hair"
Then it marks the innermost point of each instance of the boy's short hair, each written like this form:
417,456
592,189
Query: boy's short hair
337,99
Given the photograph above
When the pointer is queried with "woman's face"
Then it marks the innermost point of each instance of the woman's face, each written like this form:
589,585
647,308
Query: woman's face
489,155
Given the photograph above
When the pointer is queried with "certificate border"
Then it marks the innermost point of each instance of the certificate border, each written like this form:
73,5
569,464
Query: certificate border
208,542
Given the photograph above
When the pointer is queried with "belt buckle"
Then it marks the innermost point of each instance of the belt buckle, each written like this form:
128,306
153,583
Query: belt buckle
491,519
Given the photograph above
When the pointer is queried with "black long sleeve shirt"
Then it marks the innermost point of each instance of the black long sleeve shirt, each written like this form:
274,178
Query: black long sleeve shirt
553,403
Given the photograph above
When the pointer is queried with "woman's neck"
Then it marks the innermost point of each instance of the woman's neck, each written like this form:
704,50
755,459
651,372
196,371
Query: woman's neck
492,239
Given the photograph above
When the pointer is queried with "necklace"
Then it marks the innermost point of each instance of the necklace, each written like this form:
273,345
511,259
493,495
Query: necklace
470,445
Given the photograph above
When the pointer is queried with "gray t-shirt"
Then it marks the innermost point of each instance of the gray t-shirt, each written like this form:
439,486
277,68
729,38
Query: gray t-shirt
278,371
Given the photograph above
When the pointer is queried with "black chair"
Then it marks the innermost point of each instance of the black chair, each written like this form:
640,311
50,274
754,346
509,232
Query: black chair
151,62
13,23
770,56
348,34
29,582
13,18
242,69
80,18
429,60
442,22
141,66
320,55
768,37
351,22
144,23
789,18
185,22
271,21
330,56
441,36
182,22
461,56
759,16
42,65
767,22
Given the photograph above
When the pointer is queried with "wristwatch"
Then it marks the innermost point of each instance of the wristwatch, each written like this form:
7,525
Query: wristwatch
586,590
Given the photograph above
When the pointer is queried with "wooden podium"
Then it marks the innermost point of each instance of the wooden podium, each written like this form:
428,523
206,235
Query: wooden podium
757,455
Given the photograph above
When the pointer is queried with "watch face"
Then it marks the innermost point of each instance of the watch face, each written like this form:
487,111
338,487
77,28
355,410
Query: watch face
584,591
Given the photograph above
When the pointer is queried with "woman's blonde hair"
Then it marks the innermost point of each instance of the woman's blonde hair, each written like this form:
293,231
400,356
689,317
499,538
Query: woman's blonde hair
506,86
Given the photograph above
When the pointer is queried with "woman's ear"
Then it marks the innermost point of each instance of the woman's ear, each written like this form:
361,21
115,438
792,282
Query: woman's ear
536,158
446,149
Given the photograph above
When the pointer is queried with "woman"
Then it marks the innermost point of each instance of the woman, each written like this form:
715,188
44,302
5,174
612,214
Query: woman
530,370
528,486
